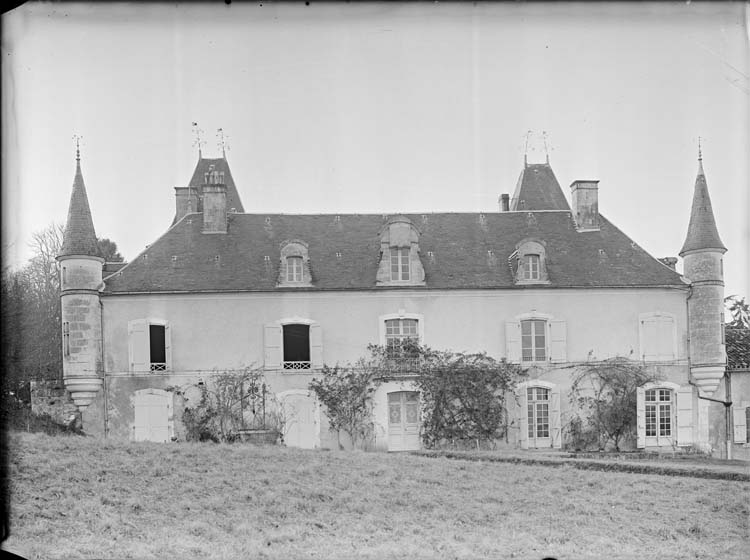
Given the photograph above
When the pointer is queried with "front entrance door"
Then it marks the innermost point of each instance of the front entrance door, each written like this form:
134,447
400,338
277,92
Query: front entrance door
301,429
403,421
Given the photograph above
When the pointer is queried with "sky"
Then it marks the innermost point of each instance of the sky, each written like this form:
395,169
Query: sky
376,108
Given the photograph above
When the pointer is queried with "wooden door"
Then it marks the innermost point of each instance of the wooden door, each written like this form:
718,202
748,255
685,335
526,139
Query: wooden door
301,428
151,417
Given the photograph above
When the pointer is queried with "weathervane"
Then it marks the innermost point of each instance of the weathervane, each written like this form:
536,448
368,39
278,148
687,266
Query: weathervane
198,142
78,138
546,151
526,148
700,155
223,142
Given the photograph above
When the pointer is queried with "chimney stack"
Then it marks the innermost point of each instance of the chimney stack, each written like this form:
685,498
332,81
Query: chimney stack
186,201
214,202
585,195
504,202
671,262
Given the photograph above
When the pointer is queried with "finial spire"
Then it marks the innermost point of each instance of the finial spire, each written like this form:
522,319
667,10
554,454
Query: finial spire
526,149
700,155
546,151
198,142
78,138
223,142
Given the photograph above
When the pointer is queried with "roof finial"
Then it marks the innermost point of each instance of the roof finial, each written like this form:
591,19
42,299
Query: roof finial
526,149
223,142
546,151
198,142
700,155
78,138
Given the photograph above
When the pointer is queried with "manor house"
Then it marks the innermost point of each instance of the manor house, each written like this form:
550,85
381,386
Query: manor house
541,281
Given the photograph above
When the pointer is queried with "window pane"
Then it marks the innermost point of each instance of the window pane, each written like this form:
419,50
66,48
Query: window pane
651,395
542,420
530,393
650,420
296,343
531,420
542,394
665,420
526,328
157,344
404,264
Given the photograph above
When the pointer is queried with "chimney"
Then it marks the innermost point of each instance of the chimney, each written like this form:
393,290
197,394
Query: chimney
214,202
671,262
504,202
585,195
186,201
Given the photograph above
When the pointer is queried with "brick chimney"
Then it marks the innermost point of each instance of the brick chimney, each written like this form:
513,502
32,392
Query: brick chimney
214,202
504,202
585,195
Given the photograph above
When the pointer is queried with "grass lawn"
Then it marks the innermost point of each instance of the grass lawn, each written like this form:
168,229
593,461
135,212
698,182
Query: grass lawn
76,497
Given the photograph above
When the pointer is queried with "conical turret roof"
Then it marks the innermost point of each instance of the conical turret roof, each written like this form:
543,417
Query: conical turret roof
80,237
538,189
702,232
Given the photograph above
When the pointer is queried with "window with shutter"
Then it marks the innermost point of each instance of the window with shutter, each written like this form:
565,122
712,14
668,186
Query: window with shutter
539,415
149,345
657,337
740,421
664,412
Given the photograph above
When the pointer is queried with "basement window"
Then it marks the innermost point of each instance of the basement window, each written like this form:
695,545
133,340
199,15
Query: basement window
296,346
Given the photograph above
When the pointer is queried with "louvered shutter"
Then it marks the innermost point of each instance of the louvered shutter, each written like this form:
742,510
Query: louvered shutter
168,345
649,340
665,337
554,418
138,346
685,415
523,418
558,341
316,346
641,414
513,342
272,343
740,424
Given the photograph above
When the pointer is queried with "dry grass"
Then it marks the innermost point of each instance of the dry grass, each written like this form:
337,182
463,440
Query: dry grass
76,497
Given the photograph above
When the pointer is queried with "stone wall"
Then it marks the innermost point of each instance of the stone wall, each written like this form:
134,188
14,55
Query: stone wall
50,397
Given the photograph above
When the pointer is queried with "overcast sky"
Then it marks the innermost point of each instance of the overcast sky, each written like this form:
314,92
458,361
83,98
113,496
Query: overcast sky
376,108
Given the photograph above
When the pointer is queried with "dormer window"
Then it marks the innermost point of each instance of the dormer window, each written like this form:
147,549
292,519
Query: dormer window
399,254
294,269
530,262
400,264
531,266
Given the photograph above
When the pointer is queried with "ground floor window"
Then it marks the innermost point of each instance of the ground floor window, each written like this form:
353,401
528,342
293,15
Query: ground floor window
658,412
538,412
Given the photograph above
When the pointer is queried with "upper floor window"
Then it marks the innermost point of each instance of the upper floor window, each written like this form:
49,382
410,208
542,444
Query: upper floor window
399,264
149,345
398,331
295,265
66,338
399,254
657,337
294,269
531,267
293,344
535,338
531,262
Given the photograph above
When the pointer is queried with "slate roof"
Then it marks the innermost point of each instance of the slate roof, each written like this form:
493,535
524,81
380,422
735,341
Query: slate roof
220,165
738,348
458,251
537,189
702,232
79,237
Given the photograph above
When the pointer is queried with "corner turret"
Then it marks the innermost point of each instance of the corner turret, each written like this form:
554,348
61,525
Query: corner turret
80,267
702,255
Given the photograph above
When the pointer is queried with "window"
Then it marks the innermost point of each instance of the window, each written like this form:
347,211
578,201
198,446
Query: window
294,269
534,338
665,415
293,344
296,346
538,414
531,267
399,264
537,399
658,413
66,338
157,347
399,330
149,345
657,337
741,422
533,341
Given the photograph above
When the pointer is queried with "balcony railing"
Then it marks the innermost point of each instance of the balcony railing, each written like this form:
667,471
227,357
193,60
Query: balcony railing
158,366
297,365
402,366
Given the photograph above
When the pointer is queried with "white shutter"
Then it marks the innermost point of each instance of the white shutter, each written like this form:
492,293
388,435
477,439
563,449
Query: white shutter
272,342
684,415
641,414
168,346
513,342
554,417
316,346
558,341
665,337
523,418
740,424
138,347
649,340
